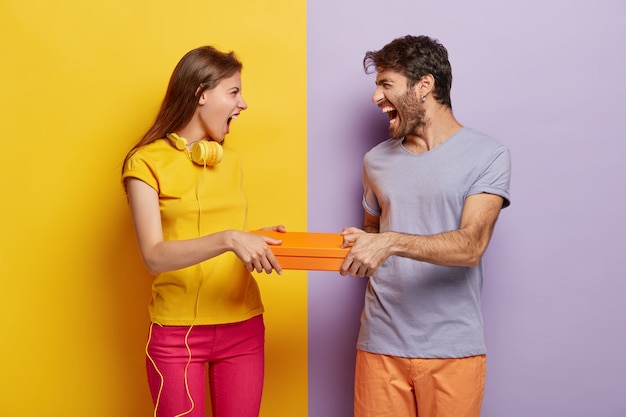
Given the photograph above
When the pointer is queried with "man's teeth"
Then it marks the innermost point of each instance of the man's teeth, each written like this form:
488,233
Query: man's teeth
234,117
391,112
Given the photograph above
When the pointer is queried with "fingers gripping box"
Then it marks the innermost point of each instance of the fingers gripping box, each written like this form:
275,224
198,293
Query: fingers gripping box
308,250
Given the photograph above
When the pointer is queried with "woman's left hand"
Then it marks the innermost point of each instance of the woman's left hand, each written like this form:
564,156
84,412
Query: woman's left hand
280,228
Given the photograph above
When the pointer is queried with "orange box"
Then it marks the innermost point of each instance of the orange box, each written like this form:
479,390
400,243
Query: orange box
307,250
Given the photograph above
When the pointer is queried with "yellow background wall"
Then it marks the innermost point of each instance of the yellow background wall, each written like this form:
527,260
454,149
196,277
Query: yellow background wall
80,82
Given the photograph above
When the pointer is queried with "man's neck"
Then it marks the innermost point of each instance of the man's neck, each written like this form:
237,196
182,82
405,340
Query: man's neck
440,126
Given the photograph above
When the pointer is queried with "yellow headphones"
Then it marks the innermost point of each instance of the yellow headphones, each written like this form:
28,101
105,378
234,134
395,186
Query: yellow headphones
203,152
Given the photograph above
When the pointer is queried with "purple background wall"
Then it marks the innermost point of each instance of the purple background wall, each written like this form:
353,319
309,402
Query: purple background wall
547,79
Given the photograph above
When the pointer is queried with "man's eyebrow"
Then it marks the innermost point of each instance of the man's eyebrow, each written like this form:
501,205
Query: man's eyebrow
384,81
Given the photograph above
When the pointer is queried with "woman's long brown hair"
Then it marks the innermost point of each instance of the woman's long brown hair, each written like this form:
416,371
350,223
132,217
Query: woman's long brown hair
199,70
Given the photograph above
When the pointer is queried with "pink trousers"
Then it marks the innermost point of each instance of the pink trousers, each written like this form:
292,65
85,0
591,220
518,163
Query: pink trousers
178,358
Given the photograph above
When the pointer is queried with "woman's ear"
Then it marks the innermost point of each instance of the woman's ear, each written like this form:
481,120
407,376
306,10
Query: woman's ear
200,94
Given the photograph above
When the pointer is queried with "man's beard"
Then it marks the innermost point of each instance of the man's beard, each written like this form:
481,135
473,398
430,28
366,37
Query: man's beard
411,114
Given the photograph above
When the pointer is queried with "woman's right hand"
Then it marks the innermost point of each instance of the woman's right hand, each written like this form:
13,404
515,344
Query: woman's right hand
254,251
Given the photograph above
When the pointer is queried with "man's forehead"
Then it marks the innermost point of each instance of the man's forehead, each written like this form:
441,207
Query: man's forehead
388,75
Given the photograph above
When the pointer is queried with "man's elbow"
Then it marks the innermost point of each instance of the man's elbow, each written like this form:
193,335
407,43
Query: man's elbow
473,262
476,255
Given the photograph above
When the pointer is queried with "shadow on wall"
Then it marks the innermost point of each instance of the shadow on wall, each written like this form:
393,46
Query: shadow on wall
336,302
128,293
374,128
371,128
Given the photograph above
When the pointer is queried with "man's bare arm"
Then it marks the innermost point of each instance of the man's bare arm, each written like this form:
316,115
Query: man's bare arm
462,247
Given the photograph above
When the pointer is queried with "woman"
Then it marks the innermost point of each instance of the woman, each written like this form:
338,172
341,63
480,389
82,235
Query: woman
189,213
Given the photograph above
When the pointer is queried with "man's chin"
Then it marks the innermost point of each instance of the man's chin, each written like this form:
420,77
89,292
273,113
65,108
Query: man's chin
394,134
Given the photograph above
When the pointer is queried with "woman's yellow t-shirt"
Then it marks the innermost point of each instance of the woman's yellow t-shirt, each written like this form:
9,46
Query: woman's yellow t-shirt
195,201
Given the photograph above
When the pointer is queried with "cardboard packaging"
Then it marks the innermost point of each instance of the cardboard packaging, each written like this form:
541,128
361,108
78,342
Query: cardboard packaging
308,250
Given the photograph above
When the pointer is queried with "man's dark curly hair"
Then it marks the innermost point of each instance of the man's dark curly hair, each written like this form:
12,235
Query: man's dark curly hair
414,57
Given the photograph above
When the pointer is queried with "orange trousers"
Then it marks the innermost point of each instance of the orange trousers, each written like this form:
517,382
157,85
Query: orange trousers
390,386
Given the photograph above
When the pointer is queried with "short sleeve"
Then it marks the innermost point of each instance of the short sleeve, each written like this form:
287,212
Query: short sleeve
370,202
138,166
496,177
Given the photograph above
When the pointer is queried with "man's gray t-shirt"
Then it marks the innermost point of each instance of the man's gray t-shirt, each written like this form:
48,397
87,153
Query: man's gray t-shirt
415,309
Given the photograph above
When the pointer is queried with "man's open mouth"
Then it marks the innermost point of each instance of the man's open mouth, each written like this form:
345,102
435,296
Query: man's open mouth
391,112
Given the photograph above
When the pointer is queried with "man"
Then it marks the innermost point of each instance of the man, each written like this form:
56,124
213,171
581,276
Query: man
432,194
